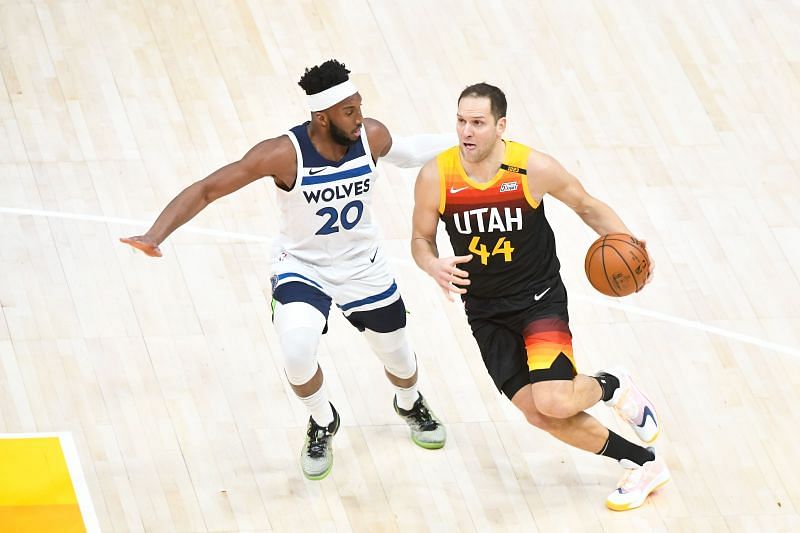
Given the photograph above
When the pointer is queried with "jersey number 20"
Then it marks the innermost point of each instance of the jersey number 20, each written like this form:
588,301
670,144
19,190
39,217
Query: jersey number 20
347,218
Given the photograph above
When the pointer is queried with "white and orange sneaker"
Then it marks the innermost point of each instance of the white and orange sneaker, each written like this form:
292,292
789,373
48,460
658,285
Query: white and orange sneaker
633,407
637,483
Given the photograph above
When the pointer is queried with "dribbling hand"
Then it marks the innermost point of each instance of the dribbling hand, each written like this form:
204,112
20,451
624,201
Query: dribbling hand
651,261
143,243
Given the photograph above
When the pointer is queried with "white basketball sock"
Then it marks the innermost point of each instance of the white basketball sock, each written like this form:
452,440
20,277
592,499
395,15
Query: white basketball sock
406,397
319,407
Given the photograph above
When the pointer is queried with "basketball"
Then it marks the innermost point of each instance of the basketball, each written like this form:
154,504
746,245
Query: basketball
617,264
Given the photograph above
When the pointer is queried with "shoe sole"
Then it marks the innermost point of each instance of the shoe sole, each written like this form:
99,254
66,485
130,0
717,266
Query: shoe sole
637,504
428,445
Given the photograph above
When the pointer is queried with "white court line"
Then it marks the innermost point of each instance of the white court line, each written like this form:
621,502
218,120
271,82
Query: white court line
77,479
79,483
692,324
132,222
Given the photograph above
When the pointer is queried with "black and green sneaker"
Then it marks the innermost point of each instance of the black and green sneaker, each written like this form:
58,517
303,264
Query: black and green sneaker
426,430
316,457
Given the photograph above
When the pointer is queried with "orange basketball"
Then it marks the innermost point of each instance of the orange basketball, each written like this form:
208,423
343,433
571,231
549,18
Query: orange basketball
617,265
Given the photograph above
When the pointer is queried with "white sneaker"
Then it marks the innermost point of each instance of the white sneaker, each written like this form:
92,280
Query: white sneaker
426,430
316,457
633,407
637,484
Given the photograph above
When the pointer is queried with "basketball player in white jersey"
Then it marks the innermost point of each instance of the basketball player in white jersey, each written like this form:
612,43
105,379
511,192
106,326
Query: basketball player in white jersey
327,250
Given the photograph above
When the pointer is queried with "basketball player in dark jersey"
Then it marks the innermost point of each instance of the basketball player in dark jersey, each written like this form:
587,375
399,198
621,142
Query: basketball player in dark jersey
489,192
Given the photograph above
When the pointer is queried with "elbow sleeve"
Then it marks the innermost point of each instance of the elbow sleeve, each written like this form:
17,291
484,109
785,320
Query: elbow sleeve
416,150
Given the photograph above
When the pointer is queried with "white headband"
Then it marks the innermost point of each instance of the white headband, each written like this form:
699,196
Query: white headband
331,96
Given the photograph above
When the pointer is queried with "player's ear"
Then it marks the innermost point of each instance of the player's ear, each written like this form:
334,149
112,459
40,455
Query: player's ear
501,125
321,118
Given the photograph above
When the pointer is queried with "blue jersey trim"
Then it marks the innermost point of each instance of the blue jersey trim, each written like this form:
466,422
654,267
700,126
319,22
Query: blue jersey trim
370,299
344,174
296,275
313,159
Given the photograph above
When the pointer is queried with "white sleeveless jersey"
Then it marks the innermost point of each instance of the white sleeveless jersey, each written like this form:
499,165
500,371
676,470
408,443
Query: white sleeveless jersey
326,218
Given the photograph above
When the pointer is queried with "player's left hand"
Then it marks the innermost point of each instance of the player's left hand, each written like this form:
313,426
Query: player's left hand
650,261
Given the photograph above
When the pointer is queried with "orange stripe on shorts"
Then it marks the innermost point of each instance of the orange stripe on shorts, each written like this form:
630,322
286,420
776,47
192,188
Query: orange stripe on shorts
545,339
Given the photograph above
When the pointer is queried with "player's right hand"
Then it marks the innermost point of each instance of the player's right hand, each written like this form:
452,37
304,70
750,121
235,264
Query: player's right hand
143,243
450,278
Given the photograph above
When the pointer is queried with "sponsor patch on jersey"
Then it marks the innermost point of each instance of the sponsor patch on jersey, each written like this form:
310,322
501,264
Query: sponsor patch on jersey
508,186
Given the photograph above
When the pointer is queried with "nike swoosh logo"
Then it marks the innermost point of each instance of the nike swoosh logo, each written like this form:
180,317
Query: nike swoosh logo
454,191
318,170
372,259
645,413
538,297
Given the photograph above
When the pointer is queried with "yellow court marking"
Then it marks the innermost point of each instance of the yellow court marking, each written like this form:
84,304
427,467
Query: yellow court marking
36,486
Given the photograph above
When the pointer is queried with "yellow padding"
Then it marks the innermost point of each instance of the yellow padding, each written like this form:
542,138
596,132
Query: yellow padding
34,472
42,519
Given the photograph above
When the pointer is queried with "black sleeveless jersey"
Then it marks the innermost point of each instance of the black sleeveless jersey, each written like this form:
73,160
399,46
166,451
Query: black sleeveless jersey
499,223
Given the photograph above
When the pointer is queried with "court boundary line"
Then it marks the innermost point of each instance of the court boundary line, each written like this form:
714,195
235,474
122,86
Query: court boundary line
132,222
247,237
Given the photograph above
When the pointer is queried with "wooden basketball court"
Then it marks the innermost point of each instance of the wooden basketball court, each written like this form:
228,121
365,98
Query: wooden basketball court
683,116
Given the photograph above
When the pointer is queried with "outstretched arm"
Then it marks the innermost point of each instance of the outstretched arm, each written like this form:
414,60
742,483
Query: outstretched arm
444,271
412,151
409,151
272,157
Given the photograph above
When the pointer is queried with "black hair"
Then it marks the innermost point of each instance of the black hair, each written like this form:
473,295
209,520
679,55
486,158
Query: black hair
318,78
494,94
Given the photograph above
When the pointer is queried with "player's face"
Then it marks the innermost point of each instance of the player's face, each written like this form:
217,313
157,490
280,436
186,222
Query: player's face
345,120
477,129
